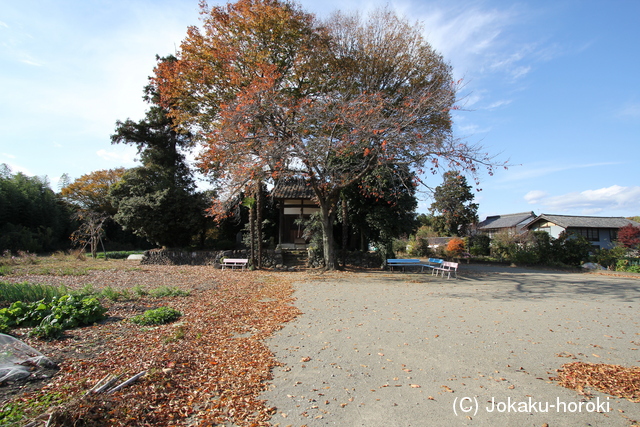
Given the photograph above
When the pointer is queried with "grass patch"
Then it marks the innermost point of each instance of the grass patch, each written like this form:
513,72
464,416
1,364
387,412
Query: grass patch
29,292
55,271
140,291
177,335
131,294
6,270
112,294
167,291
58,264
15,413
118,254
157,316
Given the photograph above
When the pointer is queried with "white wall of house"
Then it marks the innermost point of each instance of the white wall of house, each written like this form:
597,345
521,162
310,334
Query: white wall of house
549,227
604,237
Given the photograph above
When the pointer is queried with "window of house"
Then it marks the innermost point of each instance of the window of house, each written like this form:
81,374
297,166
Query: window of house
591,234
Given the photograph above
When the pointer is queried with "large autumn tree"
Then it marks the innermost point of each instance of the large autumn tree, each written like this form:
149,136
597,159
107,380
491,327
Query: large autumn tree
270,91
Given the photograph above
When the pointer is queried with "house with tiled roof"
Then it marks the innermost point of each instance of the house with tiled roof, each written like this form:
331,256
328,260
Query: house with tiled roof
293,198
602,232
512,223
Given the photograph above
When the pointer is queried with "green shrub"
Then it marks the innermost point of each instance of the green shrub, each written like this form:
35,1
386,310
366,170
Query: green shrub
479,244
400,245
47,331
633,269
608,257
571,249
418,246
158,316
52,318
628,264
523,257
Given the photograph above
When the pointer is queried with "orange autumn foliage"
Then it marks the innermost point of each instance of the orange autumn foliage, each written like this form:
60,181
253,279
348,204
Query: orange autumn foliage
455,246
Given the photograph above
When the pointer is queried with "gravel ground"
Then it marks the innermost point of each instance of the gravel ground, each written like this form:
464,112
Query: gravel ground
408,349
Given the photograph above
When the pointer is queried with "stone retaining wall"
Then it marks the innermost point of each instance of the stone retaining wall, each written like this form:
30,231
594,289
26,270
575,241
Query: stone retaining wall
270,258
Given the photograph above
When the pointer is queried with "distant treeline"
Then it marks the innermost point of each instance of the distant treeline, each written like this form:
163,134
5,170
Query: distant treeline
32,216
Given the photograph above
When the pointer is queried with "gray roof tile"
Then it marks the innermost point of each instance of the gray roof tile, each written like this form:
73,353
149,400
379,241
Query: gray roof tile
292,188
567,221
505,221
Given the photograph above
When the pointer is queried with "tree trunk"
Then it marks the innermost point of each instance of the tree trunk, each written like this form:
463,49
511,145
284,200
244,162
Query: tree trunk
252,246
345,232
94,247
328,242
259,222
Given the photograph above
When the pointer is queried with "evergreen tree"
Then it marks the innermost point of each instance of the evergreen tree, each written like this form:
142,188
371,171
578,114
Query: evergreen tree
158,200
382,207
453,202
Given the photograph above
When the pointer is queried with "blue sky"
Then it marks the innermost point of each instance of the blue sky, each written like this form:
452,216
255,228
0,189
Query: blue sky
551,86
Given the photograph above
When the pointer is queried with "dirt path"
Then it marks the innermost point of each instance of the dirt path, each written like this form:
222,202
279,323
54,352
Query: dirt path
402,349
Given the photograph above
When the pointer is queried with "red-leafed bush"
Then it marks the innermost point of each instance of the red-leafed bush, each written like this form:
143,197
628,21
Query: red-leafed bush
629,236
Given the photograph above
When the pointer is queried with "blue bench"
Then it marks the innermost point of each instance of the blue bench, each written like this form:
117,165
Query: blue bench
434,264
391,263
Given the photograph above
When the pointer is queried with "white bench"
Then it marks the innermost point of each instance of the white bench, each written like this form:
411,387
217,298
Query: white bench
447,267
235,262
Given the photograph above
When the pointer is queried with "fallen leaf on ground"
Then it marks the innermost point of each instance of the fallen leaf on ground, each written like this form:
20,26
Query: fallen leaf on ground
615,380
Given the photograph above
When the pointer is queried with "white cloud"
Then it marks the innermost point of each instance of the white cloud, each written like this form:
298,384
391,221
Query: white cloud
518,72
122,156
535,196
465,129
31,62
609,199
466,36
540,170
498,104
15,168
100,75
630,111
